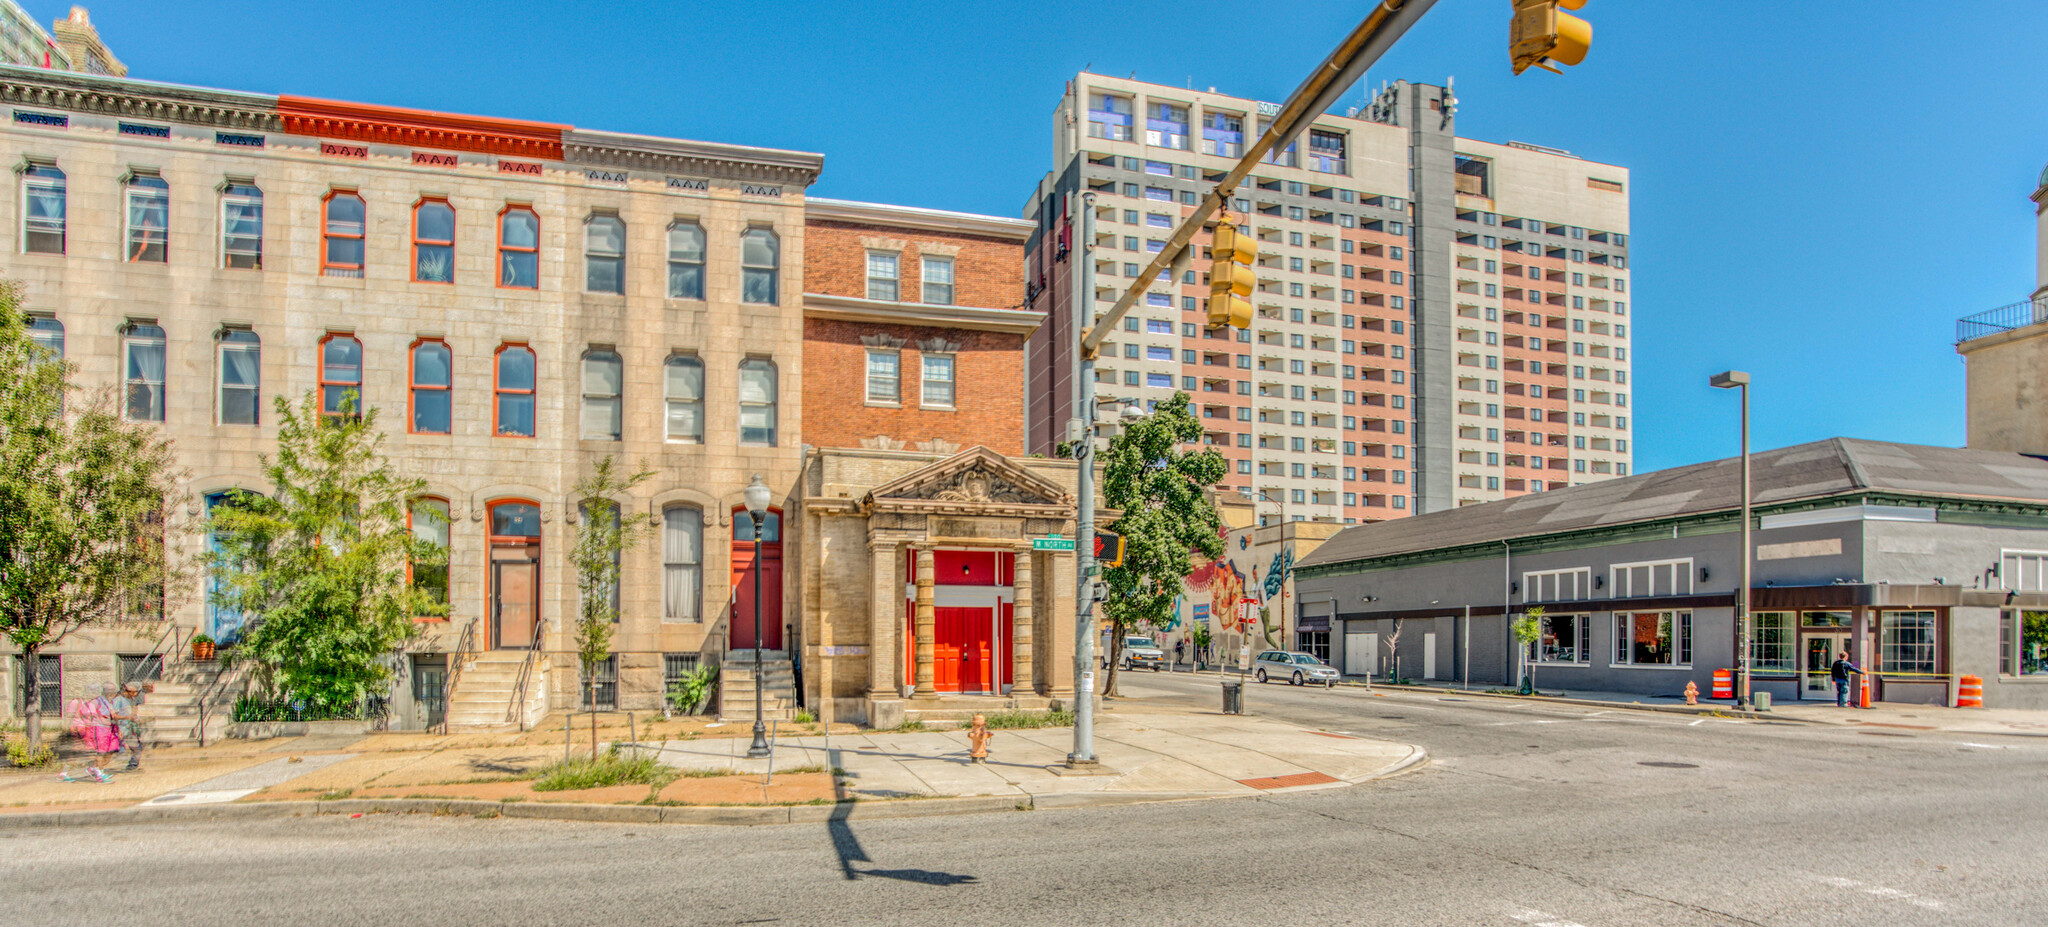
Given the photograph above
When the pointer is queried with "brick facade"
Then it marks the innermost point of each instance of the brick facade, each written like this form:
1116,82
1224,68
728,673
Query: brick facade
988,271
988,370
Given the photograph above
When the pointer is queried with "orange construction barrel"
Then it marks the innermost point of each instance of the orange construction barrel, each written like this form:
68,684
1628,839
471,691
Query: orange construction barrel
1970,692
1724,683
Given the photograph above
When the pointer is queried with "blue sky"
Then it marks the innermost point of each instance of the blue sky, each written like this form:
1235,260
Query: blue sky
1819,187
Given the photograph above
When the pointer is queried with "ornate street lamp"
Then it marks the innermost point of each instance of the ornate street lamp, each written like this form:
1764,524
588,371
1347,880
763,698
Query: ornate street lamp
758,494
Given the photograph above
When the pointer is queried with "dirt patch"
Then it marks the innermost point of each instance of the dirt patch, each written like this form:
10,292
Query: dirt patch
747,790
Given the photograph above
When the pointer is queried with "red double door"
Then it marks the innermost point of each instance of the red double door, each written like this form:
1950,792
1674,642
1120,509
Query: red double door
741,631
970,642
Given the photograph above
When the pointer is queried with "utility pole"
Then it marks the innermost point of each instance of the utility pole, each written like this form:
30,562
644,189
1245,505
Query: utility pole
1083,299
1739,381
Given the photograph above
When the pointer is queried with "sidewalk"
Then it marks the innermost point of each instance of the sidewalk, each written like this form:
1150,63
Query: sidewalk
1147,754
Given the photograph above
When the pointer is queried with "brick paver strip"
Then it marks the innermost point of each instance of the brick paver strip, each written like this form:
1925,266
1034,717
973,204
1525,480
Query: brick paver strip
1288,782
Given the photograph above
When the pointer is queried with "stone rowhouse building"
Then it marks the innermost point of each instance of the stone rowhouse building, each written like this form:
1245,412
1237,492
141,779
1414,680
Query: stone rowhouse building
1440,321
1924,563
922,593
516,299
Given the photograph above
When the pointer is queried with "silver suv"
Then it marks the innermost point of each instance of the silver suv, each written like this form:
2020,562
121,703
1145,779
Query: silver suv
1297,668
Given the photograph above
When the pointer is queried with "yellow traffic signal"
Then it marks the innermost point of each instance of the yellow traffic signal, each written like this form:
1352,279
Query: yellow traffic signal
1544,36
1231,279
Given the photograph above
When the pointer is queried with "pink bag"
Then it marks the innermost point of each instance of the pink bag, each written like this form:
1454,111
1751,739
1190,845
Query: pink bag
90,721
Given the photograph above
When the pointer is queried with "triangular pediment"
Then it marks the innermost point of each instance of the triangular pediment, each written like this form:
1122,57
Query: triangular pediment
974,477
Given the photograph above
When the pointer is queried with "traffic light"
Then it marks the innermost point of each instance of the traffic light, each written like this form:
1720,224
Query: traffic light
1109,548
1544,36
1231,279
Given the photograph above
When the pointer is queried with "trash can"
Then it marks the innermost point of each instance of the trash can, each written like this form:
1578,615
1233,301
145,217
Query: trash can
1233,698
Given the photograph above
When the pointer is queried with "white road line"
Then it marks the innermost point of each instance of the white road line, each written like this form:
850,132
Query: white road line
1883,892
1539,919
200,797
1702,720
1986,746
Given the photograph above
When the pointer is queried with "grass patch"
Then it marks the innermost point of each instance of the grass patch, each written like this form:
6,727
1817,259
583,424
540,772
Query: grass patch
706,773
608,770
334,794
804,716
911,727
1018,720
510,799
799,770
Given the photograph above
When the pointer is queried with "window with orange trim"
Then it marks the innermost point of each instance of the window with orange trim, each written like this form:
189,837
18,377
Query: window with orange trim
519,248
433,242
341,376
431,396
341,235
512,415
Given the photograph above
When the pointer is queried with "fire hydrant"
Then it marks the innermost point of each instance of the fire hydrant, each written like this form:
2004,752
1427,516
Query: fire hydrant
1692,693
977,739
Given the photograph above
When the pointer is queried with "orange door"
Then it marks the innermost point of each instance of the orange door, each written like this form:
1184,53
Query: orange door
961,649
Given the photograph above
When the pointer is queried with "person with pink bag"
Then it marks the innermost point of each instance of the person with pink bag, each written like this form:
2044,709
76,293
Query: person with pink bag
92,720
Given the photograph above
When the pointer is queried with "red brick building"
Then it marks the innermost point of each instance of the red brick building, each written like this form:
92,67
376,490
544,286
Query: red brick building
914,329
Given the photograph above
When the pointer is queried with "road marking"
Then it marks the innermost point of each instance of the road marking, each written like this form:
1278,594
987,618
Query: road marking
1702,720
1986,746
201,797
1883,892
1540,919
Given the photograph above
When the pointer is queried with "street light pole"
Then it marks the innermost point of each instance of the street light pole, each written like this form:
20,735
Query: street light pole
757,506
1083,303
1738,380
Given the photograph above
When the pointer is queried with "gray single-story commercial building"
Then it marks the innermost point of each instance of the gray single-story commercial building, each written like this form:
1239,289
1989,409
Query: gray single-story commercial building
1925,563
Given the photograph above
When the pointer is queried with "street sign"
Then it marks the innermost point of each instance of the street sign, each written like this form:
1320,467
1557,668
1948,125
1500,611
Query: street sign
1052,543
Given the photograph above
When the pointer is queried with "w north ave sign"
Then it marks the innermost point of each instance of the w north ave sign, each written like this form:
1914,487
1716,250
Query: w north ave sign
1052,543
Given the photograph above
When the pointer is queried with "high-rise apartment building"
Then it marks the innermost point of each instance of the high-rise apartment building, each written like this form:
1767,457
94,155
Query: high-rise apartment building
1440,321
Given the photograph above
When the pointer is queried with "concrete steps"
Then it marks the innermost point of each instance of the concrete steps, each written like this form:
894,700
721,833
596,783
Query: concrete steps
171,712
736,685
486,693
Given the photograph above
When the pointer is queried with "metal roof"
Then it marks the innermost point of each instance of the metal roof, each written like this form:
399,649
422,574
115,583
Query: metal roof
1832,467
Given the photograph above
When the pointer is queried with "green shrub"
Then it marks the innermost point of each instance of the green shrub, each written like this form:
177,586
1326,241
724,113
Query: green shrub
251,708
1015,720
804,716
607,770
690,694
18,753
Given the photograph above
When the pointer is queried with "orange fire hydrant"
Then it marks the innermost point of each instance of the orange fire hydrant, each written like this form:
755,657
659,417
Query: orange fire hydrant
1692,693
977,739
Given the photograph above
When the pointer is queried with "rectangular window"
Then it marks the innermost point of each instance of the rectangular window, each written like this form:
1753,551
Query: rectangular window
1771,642
2023,643
513,385
519,248
2023,570
1325,151
760,267
149,219
686,261
884,275
938,281
1166,125
682,564
1562,638
1906,642
604,254
1557,585
433,242
341,234
240,377
431,409
599,690
1109,117
885,376
1161,380
42,214
1158,353
1653,638
758,390
1158,327
428,519
1159,194
684,376
937,388
603,406
1641,580
1222,134
144,347
241,227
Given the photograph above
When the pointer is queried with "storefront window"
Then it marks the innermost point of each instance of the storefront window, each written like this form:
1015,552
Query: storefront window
1825,619
1562,639
1653,638
2023,643
1770,642
1907,642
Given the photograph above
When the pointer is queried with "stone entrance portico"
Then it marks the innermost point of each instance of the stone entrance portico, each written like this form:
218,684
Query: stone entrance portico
922,592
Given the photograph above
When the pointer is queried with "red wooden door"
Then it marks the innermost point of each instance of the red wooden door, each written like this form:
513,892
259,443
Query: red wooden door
961,649
741,631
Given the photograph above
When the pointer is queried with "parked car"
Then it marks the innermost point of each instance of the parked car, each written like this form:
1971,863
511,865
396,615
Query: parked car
1297,668
1138,652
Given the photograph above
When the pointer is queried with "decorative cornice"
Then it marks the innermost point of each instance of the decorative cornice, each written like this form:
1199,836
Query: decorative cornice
106,96
417,128
914,217
854,309
679,156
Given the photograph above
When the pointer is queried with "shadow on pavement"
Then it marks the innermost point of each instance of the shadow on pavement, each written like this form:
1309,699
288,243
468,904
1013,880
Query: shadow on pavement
848,847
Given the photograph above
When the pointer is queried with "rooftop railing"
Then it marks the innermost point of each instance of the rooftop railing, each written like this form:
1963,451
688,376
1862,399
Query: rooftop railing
2002,319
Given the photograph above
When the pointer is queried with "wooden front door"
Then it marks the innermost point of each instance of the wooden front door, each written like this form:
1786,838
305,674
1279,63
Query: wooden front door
515,601
741,630
963,649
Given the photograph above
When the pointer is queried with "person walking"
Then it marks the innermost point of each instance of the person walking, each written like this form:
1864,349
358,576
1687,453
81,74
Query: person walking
128,722
1839,672
1180,650
100,734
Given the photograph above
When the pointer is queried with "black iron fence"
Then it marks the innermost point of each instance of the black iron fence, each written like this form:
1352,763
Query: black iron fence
2002,319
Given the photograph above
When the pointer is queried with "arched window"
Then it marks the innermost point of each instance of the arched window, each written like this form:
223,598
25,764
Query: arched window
149,219
519,248
142,349
603,379
341,248
241,226
432,377
757,402
341,375
760,266
685,397
427,516
433,242
42,213
47,332
604,254
514,388
241,377
685,260
682,563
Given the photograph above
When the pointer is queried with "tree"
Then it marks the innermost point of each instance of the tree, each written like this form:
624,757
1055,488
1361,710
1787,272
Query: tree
1394,654
1527,629
320,566
1200,635
1166,520
85,502
603,534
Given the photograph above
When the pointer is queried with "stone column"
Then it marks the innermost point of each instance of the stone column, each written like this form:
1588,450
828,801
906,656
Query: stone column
926,623
1023,681
1057,643
885,615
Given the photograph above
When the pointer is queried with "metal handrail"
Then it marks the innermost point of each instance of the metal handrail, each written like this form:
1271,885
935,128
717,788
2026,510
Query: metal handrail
218,680
2002,319
512,713
454,674
159,651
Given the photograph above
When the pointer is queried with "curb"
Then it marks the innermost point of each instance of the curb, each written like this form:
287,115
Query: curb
1708,711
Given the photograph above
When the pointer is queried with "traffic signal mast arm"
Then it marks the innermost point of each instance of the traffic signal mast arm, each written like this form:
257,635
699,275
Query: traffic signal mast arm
1387,22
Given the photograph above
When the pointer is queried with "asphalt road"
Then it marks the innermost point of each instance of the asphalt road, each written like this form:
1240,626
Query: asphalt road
1527,814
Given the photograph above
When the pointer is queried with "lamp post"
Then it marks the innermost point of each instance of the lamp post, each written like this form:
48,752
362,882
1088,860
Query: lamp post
1738,380
757,508
1279,506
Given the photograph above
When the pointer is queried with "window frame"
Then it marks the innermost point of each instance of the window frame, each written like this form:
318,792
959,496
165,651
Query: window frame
2012,644
773,270
894,381
508,250
894,279
35,174
678,359
773,404
447,544
1533,583
1785,628
1681,639
499,392
231,194
132,337
590,257
328,236
925,380
1621,576
694,515
413,386
222,341
1887,646
617,399
926,285
131,190
323,382
418,207
701,263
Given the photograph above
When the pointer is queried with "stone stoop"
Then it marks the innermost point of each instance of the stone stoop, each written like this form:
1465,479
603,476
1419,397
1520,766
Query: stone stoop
736,687
171,713
963,708
483,694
